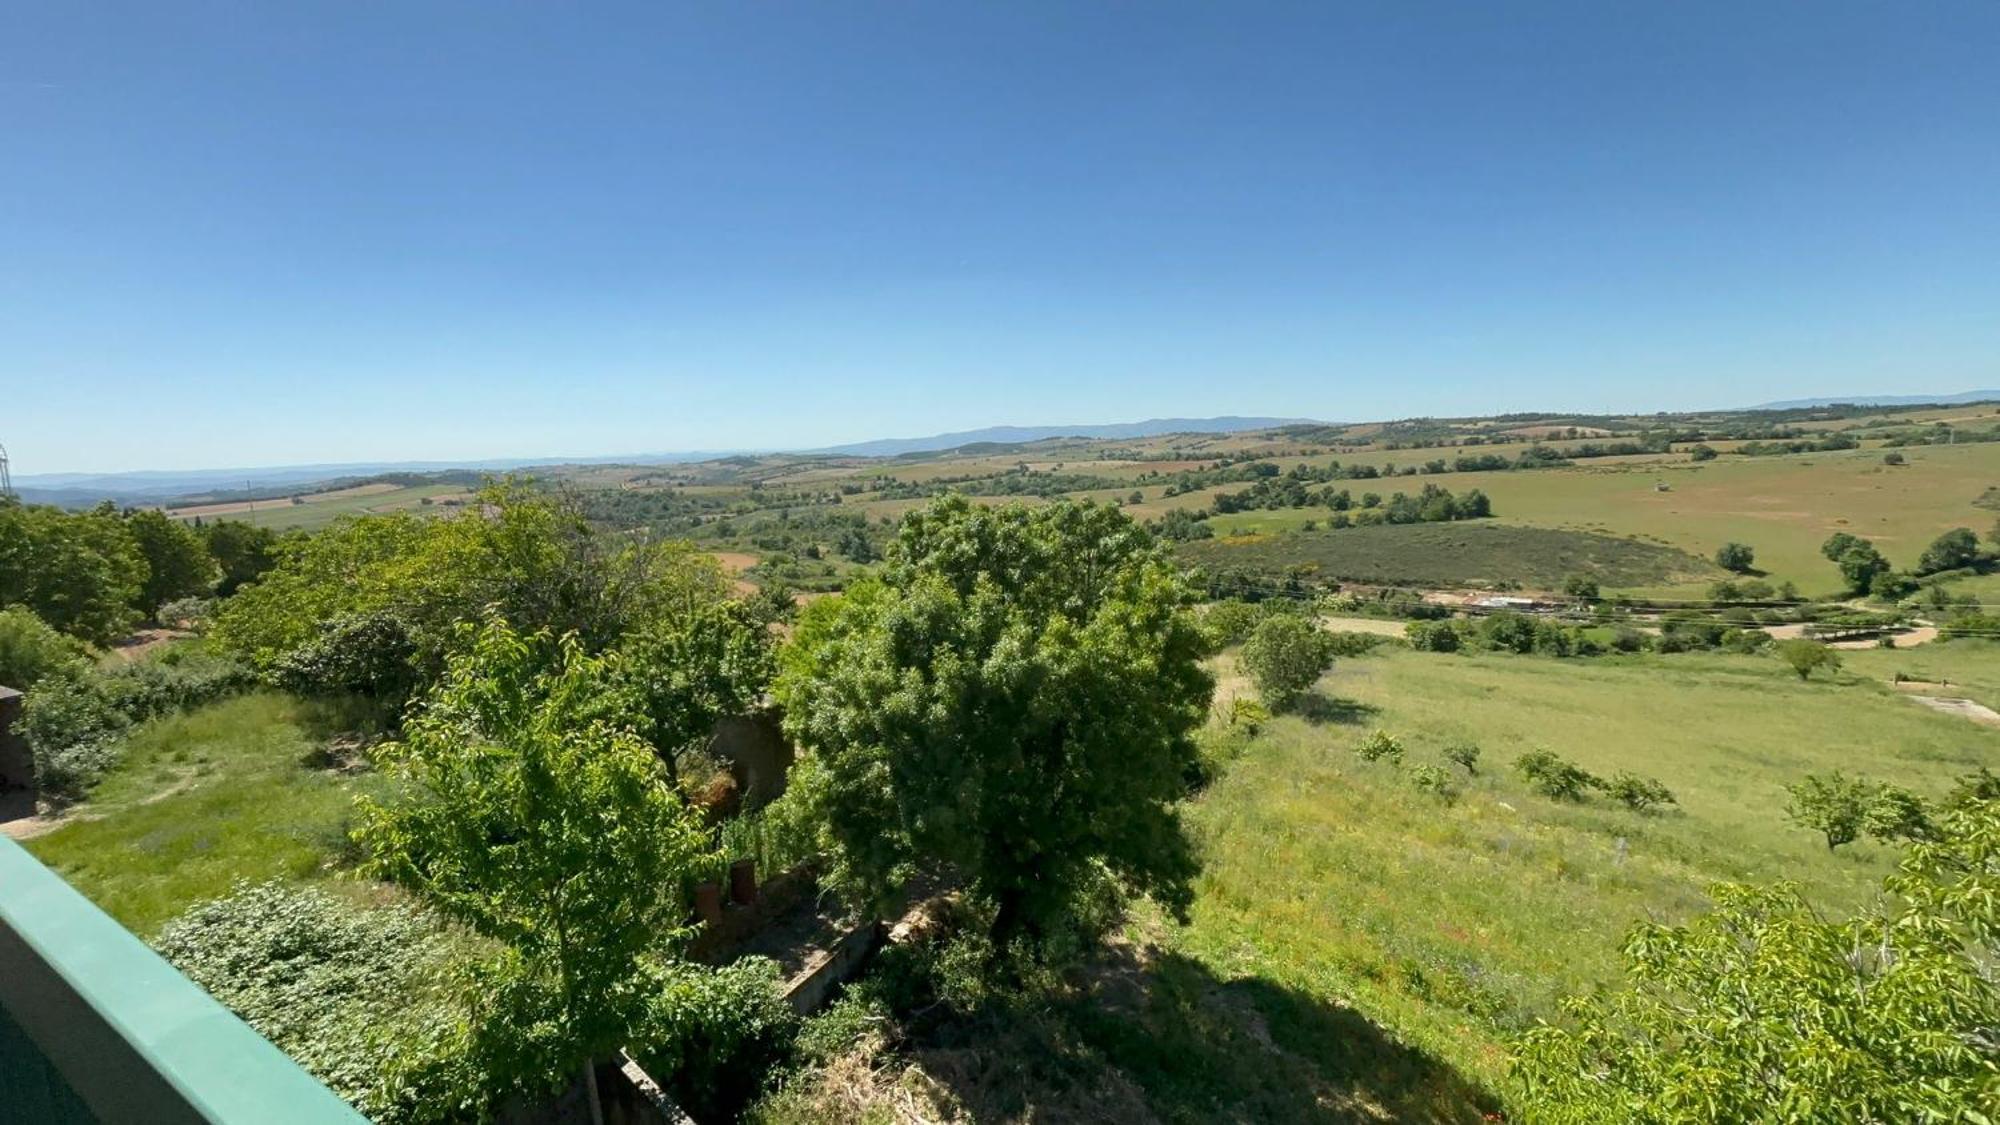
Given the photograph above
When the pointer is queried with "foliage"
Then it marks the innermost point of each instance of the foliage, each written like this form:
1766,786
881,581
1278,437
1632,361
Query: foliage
1953,550
1550,775
682,673
1805,655
80,572
334,986
1432,636
177,560
242,552
529,556
1895,813
1464,755
1379,745
1834,805
31,649
1859,562
72,728
73,720
1638,793
711,1034
533,814
1764,1010
1228,622
1581,586
1738,557
1427,778
368,654
1015,698
1285,655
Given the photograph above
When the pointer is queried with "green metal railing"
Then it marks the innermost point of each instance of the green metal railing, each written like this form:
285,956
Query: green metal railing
96,1027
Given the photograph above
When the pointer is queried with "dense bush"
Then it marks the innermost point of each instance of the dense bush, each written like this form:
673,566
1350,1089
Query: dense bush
1378,746
338,988
73,730
367,654
711,1035
31,648
1554,777
1432,636
1427,778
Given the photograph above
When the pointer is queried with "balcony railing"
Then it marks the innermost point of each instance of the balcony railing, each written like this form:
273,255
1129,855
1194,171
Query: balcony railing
96,1027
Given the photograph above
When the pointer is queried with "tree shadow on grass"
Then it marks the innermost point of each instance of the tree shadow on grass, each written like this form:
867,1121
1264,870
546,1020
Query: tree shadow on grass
1316,708
1163,1038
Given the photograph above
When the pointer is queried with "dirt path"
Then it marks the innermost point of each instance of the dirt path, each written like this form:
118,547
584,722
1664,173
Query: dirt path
1376,625
1964,708
17,817
1908,638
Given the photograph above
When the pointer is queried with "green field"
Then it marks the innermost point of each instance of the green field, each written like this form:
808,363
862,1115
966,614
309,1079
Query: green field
1453,926
1470,552
200,800
316,510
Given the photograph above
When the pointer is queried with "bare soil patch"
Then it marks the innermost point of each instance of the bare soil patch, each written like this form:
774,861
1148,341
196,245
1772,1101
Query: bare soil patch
1964,708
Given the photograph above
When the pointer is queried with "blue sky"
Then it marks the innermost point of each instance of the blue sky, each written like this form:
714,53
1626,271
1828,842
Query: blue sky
247,234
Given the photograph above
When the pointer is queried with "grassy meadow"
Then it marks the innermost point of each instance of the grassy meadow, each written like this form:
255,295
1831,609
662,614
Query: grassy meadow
231,791
1454,925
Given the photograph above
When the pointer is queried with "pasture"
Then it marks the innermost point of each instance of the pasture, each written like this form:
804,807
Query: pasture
1455,925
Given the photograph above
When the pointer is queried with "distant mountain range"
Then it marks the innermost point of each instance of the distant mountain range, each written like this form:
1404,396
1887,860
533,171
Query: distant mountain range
74,490
1010,435
1881,400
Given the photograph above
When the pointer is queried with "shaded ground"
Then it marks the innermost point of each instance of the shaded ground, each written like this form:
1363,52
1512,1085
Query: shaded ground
1145,1036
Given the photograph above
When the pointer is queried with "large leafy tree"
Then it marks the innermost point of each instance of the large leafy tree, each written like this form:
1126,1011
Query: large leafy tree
1766,1010
80,572
531,812
177,560
243,551
1014,700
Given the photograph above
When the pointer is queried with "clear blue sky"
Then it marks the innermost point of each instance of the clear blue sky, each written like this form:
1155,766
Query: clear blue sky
261,233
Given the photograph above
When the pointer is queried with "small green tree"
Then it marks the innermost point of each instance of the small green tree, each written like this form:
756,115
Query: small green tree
529,811
1285,655
1804,655
1465,755
1554,777
31,649
1639,793
1581,586
1833,805
1738,557
1427,778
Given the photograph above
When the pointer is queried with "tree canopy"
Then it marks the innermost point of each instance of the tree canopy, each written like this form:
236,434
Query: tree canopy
1015,698
530,811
